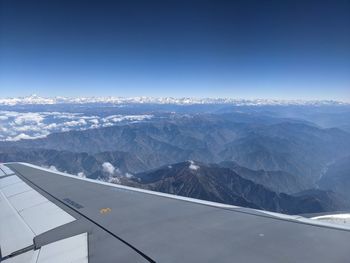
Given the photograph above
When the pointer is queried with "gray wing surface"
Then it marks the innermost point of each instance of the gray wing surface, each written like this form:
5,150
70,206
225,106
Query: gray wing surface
100,222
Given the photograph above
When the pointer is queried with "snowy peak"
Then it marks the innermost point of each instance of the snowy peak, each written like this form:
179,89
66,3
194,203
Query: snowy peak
37,100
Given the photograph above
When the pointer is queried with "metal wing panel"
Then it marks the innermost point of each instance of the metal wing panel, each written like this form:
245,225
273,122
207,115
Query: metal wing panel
25,214
15,234
165,228
73,249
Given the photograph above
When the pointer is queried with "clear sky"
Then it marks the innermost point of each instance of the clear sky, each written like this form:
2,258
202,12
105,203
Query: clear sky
296,49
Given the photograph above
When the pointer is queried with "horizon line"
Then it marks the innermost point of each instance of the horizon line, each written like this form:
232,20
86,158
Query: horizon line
110,99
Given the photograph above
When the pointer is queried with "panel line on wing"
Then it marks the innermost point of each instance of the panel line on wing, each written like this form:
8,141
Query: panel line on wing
6,175
18,252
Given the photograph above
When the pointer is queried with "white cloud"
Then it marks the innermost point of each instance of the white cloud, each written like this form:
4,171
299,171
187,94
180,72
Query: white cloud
80,122
51,126
53,168
23,136
107,124
30,117
129,175
94,121
81,175
27,128
119,118
114,180
16,126
193,166
108,168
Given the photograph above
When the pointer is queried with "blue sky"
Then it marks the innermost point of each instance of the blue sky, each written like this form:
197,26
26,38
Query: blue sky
240,49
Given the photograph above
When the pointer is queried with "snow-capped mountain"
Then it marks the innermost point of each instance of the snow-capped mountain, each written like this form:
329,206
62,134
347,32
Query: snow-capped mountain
34,99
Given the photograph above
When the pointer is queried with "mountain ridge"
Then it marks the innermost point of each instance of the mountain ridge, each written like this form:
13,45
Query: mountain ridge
34,99
213,183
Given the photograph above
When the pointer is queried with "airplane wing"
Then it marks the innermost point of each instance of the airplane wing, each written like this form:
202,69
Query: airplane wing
48,216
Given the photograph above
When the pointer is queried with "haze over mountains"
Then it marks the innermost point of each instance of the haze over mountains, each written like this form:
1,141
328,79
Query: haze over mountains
291,158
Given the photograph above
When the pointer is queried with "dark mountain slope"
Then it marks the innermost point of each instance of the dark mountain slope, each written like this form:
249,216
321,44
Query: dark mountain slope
326,198
223,185
337,178
277,181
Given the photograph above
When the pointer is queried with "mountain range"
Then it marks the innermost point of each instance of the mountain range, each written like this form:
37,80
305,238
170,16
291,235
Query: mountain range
297,148
251,159
34,99
219,184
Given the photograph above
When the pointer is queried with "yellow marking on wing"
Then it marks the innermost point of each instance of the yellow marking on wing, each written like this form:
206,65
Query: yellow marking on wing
105,210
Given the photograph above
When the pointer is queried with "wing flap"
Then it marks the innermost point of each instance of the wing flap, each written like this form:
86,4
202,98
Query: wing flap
15,234
25,213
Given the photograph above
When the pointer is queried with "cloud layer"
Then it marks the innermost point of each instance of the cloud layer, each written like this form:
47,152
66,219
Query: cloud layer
15,126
